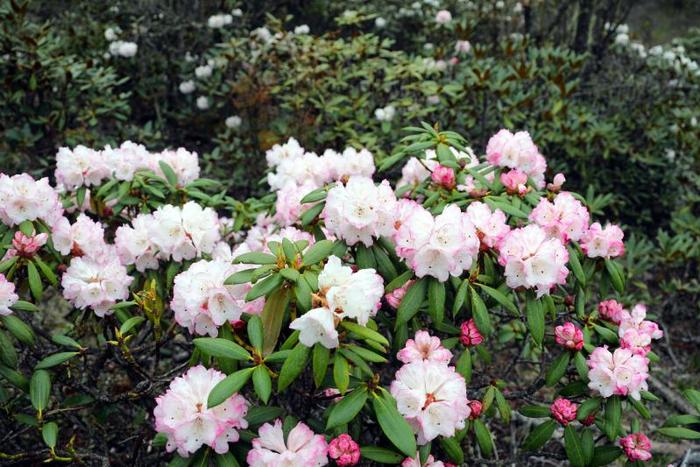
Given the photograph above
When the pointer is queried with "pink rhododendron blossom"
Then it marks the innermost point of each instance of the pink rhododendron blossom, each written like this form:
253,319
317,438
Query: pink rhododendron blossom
476,407
8,297
565,218
569,336
84,237
432,397
636,333
437,246
183,416
288,207
394,297
182,233
129,158
563,410
24,199
515,182
79,167
443,17
620,373
532,259
599,242
97,283
490,225
424,347
344,451
470,335
444,176
637,447
611,310
557,183
429,462
302,447
134,245
462,47
26,246
417,170
360,211
201,302
517,151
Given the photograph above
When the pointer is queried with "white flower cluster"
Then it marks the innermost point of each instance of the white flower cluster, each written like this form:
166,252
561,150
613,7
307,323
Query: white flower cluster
219,21
385,114
88,167
24,199
123,49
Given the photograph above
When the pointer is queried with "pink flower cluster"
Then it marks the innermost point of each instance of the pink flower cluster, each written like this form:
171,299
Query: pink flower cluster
563,411
302,447
611,310
360,211
565,218
429,462
470,335
84,237
430,395
438,246
8,297
533,259
87,167
417,170
24,199
344,451
569,336
26,246
599,242
636,333
491,226
517,151
183,416
637,447
621,372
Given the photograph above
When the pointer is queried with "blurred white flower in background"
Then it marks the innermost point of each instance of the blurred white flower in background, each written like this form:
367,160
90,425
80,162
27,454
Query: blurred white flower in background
219,21
111,34
202,102
234,121
302,29
380,22
203,71
385,114
186,87
443,17
237,12
123,49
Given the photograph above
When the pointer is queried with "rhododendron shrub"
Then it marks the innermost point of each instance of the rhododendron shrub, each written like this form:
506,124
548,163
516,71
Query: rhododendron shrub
344,318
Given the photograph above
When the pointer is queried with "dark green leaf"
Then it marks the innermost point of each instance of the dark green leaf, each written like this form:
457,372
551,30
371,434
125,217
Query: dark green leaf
348,407
411,302
293,366
218,347
539,436
394,426
557,369
228,386
55,359
262,383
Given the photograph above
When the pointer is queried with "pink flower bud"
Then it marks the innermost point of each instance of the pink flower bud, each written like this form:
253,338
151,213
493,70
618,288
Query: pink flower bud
557,183
588,421
470,334
444,176
563,411
475,407
569,336
27,246
611,310
394,297
515,182
344,451
637,447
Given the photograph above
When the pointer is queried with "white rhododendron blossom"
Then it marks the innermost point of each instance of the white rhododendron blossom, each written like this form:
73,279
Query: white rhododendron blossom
8,297
201,302
360,211
183,416
565,218
424,347
432,397
24,199
441,246
219,21
280,152
491,226
124,49
517,151
532,259
301,447
184,232
133,243
599,242
187,87
184,163
317,326
96,283
417,170
81,166
84,237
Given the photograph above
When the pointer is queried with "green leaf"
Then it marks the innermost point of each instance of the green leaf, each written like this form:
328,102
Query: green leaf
35,285
576,266
321,357
14,377
539,436
40,389
436,299
255,257
240,277
503,407
411,302
483,437
679,432
130,323
581,366
293,366
180,461
60,339
482,319
535,411
605,455
640,408
394,426
460,297
8,354
341,373
49,432
615,275
500,298
7,264
693,396
302,293
535,320
27,228
385,266
222,348
169,173
366,354
46,271
308,216
572,445
452,449
55,359
364,332
399,281
557,369
364,257
272,318
255,332
381,455
348,407
228,386
262,383
587,445
678,420
464,365
19,329
226,460
264,287
613,414
21,305
587,407
259,415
